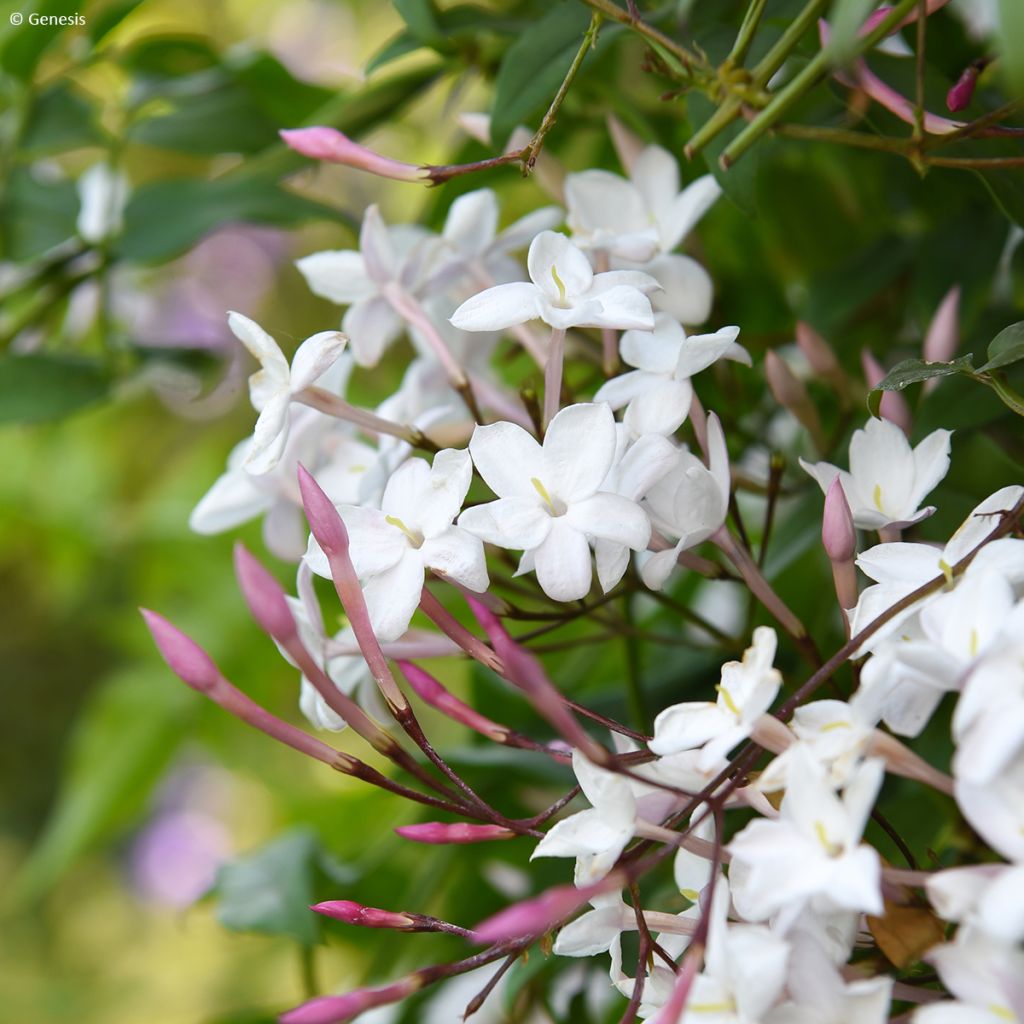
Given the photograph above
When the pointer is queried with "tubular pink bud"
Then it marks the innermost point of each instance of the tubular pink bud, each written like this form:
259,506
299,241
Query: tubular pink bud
324,519
533,917
943,337
434,694
838,535
818,353
340,1009
791,394
263,594
962,93
332,146
893,406
367,917
439,832
187,660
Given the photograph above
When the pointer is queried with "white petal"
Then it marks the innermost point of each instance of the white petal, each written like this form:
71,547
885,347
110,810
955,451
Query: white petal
662,410
611,517
553,258
459,556
562,563
269,436
689,725
687,209
507,457
587,832
518,524
519,234
372,325
612,560
655,173
234,498
339,275
590,934
472,221
393,596
579,446
699,351
621,390
261,345
374,544
931,463
657,569
622,307
376,248
314,357
504,305
656,351
687,290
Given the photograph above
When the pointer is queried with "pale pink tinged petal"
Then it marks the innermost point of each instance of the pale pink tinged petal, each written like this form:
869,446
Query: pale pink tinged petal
374,544
235,498
943,337
562,563
590,934
458,555
687,291
656,351
270,436
285,531
623,308
504,305
371,325
700,351
260,344
621,390
314,357
338,275
375,245
898,104
661,410
393,596
689,725
606,211
322,143
718,457
655,173
612,560
687,209
553,258
588,831
657,569
609,279
931,463
507,457
472,221
579,446
516,523
520,233
838,536
611,517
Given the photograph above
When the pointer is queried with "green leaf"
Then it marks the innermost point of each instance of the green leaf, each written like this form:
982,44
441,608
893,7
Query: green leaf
739,182
26,45
41,386
122,743
533,67
270,891
1011,33
273,88
421,18
1006,347
59,119
165,218
1007,189
914,371
36,215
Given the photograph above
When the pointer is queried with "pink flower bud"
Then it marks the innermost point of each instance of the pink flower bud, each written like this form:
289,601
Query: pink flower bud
340,1009
434,694
533,917
322,143
263,594
943,337
439,832
187,660
962,93
324,520
817,352
791,394
367,917
838,535
893,406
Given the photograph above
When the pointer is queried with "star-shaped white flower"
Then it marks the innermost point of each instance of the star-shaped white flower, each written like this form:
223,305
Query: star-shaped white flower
549,500
746,691
272,386
887,480
564,292
393,546
658,393
988,897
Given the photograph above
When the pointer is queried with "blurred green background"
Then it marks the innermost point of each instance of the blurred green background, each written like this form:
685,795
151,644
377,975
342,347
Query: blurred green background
120,788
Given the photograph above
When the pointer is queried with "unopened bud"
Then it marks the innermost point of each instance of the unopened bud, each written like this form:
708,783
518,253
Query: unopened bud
332,146
819,354
791,394
434,694
943,337
263,594
325,522
962,93
533,917
838,535
893,406
187,660
367,917
439,832
341,1009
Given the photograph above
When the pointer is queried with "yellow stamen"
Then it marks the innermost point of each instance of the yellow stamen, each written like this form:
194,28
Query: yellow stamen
727,697
357,469
877,497
558,283
1002,1012
395,521
828,726
832,849
974,642
541,489
947,570
690,894
726,1006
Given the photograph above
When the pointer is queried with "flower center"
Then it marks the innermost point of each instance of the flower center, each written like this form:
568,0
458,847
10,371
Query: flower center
839,724
832,849
876,496
725,1006
1002,1012
414,538
727,699
555,507
947,571
559,285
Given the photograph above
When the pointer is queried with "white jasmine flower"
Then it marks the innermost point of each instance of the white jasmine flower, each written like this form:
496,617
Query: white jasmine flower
549,499
988,897
810,855
102,194
412,531
658,393
398,257
563,291
887,480
746,691
272,386
995,809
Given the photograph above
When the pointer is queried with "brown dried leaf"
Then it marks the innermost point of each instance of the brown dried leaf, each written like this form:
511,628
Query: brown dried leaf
904,933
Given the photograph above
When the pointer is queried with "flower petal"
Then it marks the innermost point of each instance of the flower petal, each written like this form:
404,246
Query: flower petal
338,274
687,209
372,325
689,725
562,563
507,457
656,351
662,410
269,436
621,390
314,357
504,305
579,447
611,517
458,555
552,259
393,596
687,290
261,345
931,463
472,221
516,523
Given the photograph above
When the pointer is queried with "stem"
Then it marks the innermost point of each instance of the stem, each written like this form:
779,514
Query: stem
634,681
776,56
307,965
616,13
323,401
553,374
918,135
745,36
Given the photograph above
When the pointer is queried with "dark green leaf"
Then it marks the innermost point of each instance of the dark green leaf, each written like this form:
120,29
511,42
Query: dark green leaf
738,183
1006,347
914,371
1007,188
26,44
106,20
43,387
60,119
170,56
421,17
165,218
270,890
533,67
121,746
1011,35
405,42
279,95
36,215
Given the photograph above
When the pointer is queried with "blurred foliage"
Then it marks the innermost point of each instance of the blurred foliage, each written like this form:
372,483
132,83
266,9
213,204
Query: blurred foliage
186,98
